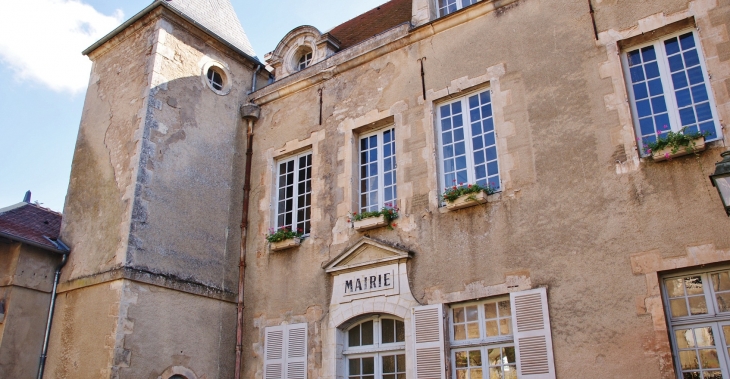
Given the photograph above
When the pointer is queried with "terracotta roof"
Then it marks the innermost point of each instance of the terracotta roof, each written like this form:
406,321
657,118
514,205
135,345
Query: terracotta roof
375,21
30,223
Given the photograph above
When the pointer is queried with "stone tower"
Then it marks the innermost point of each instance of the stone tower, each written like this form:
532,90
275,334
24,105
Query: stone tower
154,202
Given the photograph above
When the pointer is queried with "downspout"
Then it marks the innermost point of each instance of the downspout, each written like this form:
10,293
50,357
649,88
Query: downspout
42,364
253,81
250,113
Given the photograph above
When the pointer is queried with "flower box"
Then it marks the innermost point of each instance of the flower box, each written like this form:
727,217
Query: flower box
471,199
370,223
286,244
666,153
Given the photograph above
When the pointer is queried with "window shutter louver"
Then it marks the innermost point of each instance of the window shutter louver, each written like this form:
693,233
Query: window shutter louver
274,352
296,353
429,341
533,340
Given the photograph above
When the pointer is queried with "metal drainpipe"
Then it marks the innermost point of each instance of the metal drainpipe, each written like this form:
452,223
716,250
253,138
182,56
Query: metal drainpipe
255,76
42,364
250,113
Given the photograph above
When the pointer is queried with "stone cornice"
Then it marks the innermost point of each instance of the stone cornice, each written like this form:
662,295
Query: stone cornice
146,277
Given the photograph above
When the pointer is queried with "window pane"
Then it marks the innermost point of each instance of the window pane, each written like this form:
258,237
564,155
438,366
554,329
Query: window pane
492,329
354,336
688,360
685,338
693,285
389,364
368,365
675,287
472,313
505,309
367,333
708,358
472,330
462,359
697,305
354,366
400,332
678,307
400,361
490,310
388,331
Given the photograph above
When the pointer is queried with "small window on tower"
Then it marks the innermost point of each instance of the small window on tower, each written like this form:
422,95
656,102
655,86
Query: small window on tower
215,78
304,60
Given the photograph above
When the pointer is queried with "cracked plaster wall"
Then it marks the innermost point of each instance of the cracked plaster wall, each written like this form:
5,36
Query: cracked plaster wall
567,218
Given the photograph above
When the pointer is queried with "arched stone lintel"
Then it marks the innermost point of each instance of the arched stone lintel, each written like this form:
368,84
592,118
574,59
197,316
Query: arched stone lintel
346,313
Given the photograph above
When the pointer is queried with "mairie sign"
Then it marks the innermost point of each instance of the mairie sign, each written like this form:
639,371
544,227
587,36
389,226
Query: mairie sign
370,281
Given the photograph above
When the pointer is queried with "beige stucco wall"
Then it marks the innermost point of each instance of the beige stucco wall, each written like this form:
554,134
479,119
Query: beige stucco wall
26,280
577,202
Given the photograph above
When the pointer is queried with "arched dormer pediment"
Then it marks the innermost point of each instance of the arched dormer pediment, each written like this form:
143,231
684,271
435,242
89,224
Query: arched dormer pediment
364,253
302,47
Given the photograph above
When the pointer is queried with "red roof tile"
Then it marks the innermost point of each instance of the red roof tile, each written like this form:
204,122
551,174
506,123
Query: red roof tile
31,223
375,21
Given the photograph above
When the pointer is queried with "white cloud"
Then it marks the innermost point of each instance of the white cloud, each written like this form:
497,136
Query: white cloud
42,40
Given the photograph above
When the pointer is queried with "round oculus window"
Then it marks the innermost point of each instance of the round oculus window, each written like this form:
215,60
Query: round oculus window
215,78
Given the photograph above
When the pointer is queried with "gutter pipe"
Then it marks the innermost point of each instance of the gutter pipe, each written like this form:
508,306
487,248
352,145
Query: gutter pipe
255,76
250,113
44,353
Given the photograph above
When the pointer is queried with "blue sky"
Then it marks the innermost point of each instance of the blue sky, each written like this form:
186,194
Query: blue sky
43,76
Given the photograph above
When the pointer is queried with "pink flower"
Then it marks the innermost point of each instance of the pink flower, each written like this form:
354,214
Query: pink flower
666,155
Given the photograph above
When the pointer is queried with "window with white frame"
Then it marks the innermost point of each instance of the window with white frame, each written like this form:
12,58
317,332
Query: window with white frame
669,88
468,142
482,341
375,349
304,60
450,6
698,310
377,170
294,193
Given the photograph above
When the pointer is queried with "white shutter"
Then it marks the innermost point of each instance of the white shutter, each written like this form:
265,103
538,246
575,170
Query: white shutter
428,329
533,341
296,351
274,352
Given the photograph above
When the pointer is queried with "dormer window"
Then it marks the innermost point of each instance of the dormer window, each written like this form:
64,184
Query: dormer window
451,6
304,60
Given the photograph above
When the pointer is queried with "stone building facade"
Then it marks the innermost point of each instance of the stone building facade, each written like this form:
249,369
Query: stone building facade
591,260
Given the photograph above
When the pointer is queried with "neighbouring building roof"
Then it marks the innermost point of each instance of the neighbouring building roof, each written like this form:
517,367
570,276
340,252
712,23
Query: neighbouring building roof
219,17
373,22
32,224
